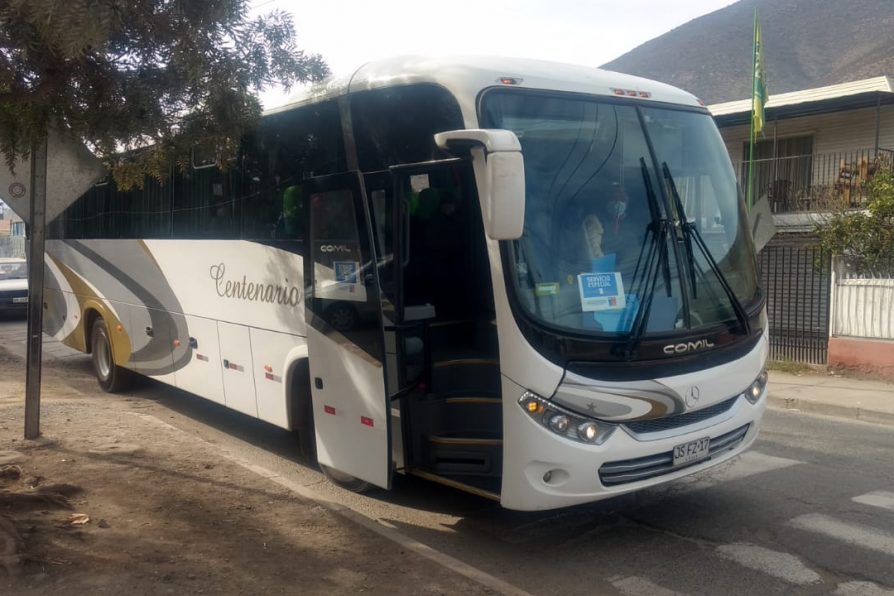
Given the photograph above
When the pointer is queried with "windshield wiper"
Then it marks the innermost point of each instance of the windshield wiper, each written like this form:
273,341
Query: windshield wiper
690,233
645,275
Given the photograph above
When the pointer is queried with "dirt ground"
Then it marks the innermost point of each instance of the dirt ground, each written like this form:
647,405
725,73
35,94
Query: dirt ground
113,501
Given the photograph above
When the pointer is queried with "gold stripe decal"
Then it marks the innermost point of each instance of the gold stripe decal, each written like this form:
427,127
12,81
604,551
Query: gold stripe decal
88,300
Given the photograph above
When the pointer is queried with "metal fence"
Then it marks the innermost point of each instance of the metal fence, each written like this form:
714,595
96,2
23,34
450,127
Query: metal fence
797,280
816,181
862,305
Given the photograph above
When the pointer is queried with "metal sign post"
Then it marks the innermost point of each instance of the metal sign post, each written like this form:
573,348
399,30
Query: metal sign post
36,234
61,169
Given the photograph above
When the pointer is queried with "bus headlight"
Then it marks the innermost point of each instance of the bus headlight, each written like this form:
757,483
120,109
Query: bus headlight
588,431
559,423
756,389
564,422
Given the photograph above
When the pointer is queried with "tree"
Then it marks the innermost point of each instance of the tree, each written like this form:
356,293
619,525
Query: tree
140,80
866,238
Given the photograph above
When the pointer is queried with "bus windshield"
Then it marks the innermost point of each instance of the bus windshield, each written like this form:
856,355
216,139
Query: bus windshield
603,233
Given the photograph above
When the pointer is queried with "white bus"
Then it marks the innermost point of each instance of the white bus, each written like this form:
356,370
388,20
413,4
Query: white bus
531,281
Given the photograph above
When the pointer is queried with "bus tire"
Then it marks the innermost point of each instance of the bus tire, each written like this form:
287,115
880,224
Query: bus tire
303,413
345,481
111,377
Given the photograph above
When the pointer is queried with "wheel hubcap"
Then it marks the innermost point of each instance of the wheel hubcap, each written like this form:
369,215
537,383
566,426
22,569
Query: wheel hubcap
103,357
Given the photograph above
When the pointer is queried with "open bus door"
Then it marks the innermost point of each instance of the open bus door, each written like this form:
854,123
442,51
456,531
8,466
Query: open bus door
344,333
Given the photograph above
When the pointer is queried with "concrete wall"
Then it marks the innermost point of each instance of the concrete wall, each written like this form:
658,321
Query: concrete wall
864,355
861,322
863,308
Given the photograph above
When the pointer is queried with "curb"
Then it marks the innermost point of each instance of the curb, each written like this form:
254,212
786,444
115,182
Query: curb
849,412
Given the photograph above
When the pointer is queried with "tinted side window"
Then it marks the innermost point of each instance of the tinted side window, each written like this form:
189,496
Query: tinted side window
74,215
139,212
290,147
205,203
396,125
151,209
103,211
91,215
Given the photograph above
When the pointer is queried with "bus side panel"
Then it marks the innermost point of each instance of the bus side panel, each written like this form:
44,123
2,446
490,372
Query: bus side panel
236,281
270,352
238,373
203,374
86,285
61,317
151,342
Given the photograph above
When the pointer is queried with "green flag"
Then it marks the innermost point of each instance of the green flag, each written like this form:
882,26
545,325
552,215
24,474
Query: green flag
759,94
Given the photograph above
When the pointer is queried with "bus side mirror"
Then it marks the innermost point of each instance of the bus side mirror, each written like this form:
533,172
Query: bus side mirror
499,174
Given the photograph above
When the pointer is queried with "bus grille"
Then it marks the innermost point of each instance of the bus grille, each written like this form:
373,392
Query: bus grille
670,422
642,468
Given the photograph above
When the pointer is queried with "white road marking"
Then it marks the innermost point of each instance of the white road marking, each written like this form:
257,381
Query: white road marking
850,533
877,498
784,566
748,464
639,586
380,527
857,588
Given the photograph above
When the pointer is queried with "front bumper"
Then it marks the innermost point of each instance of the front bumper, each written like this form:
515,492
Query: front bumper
13,304
544,471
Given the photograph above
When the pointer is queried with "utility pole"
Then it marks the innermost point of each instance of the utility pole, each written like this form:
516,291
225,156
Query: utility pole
37,236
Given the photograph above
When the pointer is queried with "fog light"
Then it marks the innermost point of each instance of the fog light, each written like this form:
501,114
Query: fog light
588,431
559,423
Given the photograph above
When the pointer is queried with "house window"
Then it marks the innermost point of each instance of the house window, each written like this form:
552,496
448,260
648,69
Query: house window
782,168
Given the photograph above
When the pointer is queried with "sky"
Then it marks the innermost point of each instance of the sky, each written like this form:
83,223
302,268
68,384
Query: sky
348,33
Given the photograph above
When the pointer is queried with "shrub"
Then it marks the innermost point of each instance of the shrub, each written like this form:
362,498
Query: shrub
866,237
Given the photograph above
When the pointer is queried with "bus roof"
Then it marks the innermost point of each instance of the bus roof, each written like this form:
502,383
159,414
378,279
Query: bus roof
467,76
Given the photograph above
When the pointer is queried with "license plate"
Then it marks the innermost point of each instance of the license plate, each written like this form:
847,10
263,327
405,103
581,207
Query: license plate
692,451
20,299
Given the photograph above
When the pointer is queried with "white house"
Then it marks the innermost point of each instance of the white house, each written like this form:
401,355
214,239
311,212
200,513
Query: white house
817,145
818,149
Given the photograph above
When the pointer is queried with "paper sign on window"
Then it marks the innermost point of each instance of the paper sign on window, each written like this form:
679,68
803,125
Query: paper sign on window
346,271
601,291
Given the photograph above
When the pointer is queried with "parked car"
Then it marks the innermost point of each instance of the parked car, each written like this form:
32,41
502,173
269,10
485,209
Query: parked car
13,285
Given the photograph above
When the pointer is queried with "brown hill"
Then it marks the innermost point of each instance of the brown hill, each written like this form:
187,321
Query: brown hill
807,43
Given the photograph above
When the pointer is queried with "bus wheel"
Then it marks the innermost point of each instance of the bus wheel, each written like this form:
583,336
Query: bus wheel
304,413
345,481
111,377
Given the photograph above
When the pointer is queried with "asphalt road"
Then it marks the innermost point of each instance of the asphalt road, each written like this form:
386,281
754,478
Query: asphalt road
809,510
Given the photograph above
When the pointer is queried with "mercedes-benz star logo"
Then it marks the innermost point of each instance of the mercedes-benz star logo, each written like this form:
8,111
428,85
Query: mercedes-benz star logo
692,396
